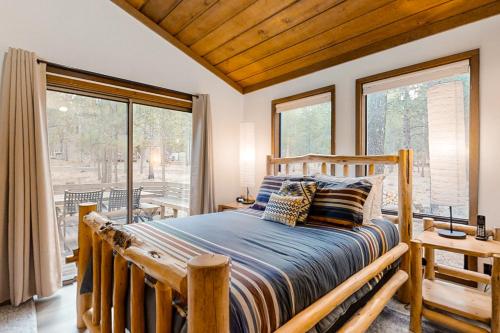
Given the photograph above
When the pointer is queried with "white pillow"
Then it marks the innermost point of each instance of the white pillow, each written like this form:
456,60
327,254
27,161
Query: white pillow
372,208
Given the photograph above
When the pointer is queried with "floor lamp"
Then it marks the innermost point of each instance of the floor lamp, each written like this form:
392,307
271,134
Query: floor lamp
447,149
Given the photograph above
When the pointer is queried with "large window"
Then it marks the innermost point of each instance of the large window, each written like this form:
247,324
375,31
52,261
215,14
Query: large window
304,124
430,108
128,150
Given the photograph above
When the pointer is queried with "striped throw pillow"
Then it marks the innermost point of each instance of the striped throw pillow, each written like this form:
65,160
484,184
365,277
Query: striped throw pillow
270,184
373,204
283,209
340,203
300,189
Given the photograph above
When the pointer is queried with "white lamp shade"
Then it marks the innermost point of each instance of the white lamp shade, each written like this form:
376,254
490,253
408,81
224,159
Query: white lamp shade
448,147
247,154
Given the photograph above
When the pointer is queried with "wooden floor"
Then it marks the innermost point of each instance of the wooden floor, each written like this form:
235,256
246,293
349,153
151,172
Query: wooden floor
57,314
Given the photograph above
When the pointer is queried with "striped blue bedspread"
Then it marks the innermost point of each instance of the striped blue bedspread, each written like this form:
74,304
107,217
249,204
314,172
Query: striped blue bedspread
276,271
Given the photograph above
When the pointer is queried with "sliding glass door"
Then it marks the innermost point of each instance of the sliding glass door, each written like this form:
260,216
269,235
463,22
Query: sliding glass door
92,137
162,161
88,157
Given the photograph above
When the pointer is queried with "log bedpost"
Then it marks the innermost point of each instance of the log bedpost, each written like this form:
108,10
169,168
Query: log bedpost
208,294
83,301
416,283
405,215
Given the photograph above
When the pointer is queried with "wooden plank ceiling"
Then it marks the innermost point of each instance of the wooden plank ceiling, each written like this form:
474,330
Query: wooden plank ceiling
253,44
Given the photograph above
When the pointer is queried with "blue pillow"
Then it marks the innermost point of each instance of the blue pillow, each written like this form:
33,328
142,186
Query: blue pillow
270,184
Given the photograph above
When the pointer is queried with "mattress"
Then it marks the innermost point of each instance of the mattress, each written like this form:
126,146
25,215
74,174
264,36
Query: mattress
276,270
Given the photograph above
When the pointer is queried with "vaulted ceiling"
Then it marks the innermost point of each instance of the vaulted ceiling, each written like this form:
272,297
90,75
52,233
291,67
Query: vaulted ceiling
253,44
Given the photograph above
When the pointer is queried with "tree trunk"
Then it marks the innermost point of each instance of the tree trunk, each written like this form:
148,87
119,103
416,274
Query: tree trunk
151,171
163,161
141,155
115,165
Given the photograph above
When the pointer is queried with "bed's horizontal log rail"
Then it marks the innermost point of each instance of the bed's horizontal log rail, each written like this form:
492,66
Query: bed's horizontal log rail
307,318
160,267
328,163
364,317
336,159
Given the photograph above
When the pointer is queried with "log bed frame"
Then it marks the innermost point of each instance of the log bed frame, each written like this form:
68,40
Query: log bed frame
204,284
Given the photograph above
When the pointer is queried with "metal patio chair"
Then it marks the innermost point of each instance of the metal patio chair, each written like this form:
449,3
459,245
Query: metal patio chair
118,200
68,217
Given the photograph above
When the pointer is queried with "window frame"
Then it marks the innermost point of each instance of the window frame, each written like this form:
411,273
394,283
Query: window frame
276,119
361,126
84,83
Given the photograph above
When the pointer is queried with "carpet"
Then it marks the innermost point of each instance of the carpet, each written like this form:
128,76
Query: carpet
395,318
18,319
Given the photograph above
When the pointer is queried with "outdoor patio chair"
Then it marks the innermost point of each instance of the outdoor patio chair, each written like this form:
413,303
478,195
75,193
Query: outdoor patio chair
118,200
68,217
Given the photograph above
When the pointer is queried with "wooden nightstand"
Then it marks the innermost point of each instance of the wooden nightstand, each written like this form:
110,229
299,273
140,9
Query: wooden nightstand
232,206
431,294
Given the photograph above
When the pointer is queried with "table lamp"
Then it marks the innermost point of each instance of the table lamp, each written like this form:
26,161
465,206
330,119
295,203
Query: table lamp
247,159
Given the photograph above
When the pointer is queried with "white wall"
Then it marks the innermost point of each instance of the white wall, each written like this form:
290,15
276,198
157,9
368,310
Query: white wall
98,36
483,35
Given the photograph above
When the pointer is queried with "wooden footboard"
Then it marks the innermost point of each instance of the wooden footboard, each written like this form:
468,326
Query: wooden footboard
204,283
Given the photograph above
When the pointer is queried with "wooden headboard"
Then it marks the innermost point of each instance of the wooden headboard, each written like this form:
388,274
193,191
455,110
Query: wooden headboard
404,161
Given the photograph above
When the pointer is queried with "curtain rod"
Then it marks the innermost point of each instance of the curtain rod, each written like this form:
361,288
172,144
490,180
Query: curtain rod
102,78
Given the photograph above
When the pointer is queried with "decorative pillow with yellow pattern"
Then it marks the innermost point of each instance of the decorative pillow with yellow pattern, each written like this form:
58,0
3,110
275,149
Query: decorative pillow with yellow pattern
283,209
303,189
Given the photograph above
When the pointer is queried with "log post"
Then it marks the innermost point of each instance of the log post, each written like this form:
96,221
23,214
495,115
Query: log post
287,169
416,284
496,235
456,325
371,169
163,295
96,278
346,170
495,294
323,168
120,283
136,299
269,166
405,166
429,252
83,301
208,294
305,169
106,286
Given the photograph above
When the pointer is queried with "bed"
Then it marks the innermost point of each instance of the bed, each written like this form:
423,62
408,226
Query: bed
233,271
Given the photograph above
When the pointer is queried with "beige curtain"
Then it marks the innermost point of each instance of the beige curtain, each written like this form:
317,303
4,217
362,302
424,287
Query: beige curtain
29,244
202,179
